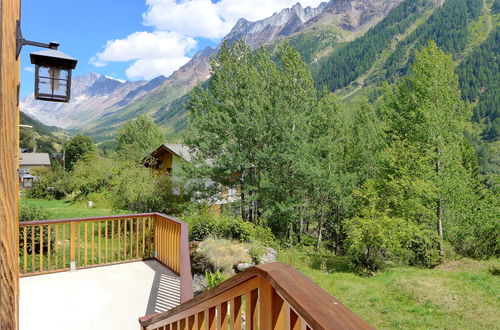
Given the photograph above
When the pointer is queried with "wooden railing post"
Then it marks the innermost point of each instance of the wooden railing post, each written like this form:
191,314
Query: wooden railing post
72,247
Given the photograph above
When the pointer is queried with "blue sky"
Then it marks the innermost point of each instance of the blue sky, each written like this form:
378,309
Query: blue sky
134,39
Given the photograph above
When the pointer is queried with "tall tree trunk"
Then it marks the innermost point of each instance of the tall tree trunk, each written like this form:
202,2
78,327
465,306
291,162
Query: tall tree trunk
439,206
320,232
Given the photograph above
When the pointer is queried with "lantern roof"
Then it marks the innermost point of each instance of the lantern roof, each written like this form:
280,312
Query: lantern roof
53,57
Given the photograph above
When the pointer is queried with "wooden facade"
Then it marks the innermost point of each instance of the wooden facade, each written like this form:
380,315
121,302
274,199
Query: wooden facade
9,160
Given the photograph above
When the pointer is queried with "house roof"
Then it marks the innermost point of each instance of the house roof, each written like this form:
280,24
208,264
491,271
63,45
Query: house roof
180,150
34,158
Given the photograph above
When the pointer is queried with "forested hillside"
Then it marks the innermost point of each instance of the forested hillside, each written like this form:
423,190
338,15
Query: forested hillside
466,29
41,137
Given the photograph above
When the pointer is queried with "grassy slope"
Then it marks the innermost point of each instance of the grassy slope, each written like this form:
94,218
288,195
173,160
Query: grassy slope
66,209
456,295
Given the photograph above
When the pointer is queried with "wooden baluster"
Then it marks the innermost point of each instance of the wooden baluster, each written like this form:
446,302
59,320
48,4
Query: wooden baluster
293,320
112,241
131,238
137,238
182,324
143,235
174,326
178,248
25,249
212,322
78,242
32,248
125,239
251,315
106,223
72,239
236,313
99,242
48,246
156,239
92,235
222,316
118,243
63,234
152,236
272,307
191,322
201,323
57,246
85,256
40,241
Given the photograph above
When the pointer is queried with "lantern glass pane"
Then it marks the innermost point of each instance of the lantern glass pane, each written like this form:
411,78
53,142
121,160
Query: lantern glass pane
52,81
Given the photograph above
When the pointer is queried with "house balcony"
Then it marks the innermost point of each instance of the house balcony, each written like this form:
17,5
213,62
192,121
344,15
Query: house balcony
133,272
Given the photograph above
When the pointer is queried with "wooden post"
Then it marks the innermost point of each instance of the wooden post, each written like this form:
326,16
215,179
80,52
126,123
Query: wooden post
9,158
72,247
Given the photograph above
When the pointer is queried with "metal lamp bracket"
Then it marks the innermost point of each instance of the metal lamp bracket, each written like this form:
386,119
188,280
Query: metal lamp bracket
20,41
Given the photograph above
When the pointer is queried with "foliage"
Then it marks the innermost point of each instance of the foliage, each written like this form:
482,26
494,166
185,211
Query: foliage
223,254
31,213
139,189
38,137
203,225
214,279
137,138
50,183
354,58
427,179
78,147
92,175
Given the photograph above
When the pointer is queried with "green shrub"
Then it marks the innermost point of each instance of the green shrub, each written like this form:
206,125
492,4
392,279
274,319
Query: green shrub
200,230
214,279
30,213
376,241
50,183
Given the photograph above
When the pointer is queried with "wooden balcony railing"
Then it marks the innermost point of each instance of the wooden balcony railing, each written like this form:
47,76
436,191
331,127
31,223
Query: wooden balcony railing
271,296
49,246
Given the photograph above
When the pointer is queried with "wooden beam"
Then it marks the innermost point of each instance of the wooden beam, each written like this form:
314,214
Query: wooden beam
9,158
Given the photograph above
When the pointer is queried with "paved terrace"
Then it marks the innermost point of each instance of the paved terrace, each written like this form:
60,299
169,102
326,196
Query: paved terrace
107,297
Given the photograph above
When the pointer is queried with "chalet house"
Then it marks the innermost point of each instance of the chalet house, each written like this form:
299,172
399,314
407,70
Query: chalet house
167,159
28,161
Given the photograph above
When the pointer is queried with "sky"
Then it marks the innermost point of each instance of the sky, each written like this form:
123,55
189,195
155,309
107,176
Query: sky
134,39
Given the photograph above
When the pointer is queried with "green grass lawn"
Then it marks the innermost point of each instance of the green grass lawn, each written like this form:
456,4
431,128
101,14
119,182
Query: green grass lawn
67,209
456,295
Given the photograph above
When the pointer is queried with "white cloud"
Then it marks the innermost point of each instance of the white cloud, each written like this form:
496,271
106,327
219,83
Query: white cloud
154,53
202,18
29,69
151,68
177,24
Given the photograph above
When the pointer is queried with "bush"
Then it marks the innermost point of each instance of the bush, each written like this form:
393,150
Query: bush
375,241
92,175
138,189
50,183
204,225
223,255
214,279
30,213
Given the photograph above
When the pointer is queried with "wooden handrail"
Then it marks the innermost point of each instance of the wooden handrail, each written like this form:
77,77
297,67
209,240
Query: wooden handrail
280,287
143,231
101,218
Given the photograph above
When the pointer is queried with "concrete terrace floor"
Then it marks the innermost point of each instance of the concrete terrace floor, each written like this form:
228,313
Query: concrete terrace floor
107,297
